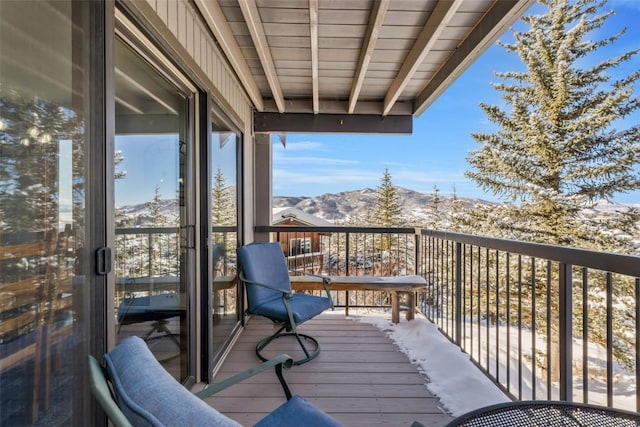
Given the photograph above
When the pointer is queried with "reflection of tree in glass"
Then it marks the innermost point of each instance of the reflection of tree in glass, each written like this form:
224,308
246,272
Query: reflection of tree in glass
30,130
223,209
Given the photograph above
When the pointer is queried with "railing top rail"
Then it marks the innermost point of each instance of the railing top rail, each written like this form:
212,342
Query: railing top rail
146,230
336,229
615,263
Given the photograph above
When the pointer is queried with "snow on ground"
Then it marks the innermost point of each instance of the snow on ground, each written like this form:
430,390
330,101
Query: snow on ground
453,378
462,387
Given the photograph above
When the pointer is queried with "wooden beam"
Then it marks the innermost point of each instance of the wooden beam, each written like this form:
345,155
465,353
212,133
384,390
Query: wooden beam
214,17
256,30
305,105
313,28
332,123
498,19
436,23
375,23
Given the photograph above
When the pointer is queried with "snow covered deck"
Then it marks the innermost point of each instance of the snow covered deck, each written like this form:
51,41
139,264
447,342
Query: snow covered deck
360,377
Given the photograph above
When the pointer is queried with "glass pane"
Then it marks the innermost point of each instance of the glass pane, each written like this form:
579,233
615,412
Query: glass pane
224,214
43,147
150,153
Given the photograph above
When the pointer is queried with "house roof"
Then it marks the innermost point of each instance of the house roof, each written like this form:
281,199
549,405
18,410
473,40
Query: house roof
281,215
354,57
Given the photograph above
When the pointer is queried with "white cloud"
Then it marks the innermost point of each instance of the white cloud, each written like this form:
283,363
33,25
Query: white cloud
301,146
327,176
310,160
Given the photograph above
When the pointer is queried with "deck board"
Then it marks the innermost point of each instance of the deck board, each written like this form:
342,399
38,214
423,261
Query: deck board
360,377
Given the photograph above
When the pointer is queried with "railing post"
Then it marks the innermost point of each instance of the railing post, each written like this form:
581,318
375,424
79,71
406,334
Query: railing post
566,331
416,255
458,314
347,249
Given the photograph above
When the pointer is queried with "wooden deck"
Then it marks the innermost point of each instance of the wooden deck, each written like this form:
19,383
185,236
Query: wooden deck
360,377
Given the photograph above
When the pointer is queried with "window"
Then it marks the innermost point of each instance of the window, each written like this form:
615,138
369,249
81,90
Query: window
300,246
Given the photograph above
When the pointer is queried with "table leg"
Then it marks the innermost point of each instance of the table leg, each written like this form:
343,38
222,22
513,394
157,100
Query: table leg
411,302
395,307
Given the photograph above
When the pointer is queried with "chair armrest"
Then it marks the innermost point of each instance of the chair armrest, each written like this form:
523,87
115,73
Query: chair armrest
326,280
280,363
244,279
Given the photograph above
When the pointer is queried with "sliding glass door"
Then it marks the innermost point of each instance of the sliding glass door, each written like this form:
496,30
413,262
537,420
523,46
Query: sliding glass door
154,235
223,165
48,186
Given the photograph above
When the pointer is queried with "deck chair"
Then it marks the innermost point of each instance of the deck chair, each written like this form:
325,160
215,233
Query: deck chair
157,309
134,389
263,270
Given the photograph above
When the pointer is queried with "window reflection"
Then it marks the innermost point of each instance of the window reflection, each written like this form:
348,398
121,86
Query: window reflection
224,214
42,214
150,153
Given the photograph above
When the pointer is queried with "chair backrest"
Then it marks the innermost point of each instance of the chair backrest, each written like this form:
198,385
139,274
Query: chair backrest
146,394
263,263
102,392
218,252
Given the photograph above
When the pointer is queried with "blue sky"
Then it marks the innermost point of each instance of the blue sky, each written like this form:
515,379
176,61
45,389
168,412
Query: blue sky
435,154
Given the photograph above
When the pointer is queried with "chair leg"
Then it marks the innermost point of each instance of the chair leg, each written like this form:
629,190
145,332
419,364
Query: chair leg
310,354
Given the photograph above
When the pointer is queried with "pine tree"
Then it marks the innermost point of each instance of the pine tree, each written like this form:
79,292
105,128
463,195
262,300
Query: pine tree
30,131
223,211
557,149
459,218
436,209
155,206
387,211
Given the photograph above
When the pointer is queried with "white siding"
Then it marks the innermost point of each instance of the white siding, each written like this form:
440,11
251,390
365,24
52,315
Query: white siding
184,23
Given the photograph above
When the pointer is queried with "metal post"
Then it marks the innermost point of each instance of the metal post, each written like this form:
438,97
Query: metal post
566,331
458,313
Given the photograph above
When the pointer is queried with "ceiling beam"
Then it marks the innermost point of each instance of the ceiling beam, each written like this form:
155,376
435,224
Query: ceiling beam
213,15
305,105
373,30
436,23
332,123
493,24
256,30
313,28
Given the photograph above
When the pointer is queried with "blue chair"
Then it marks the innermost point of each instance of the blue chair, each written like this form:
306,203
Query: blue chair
263,270
157,309
135,390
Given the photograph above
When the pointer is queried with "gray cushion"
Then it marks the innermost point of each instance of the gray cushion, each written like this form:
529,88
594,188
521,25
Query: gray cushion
149,396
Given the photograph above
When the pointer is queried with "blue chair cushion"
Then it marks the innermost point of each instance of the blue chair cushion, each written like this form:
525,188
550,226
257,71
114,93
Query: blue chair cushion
298,412
303,307
149,396
264,263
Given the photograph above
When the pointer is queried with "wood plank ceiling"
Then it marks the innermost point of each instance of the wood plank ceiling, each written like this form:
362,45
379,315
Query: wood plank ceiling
374,57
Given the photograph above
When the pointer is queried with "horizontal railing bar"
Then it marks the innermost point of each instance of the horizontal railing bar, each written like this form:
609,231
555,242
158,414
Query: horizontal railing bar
337,229
147,230
605,261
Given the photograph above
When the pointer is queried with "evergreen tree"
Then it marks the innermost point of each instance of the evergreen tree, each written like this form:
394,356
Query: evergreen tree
223,211
155,206
459,219
436,209
387,211
30,131
557,149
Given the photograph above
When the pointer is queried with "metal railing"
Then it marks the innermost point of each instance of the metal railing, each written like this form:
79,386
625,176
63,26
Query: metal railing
542,321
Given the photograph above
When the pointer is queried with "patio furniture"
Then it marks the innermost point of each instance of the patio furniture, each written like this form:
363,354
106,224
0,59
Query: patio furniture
546,413
135,389
263,270
161,303
396,285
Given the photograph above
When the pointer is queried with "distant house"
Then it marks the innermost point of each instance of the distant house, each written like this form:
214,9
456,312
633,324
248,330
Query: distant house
303,250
